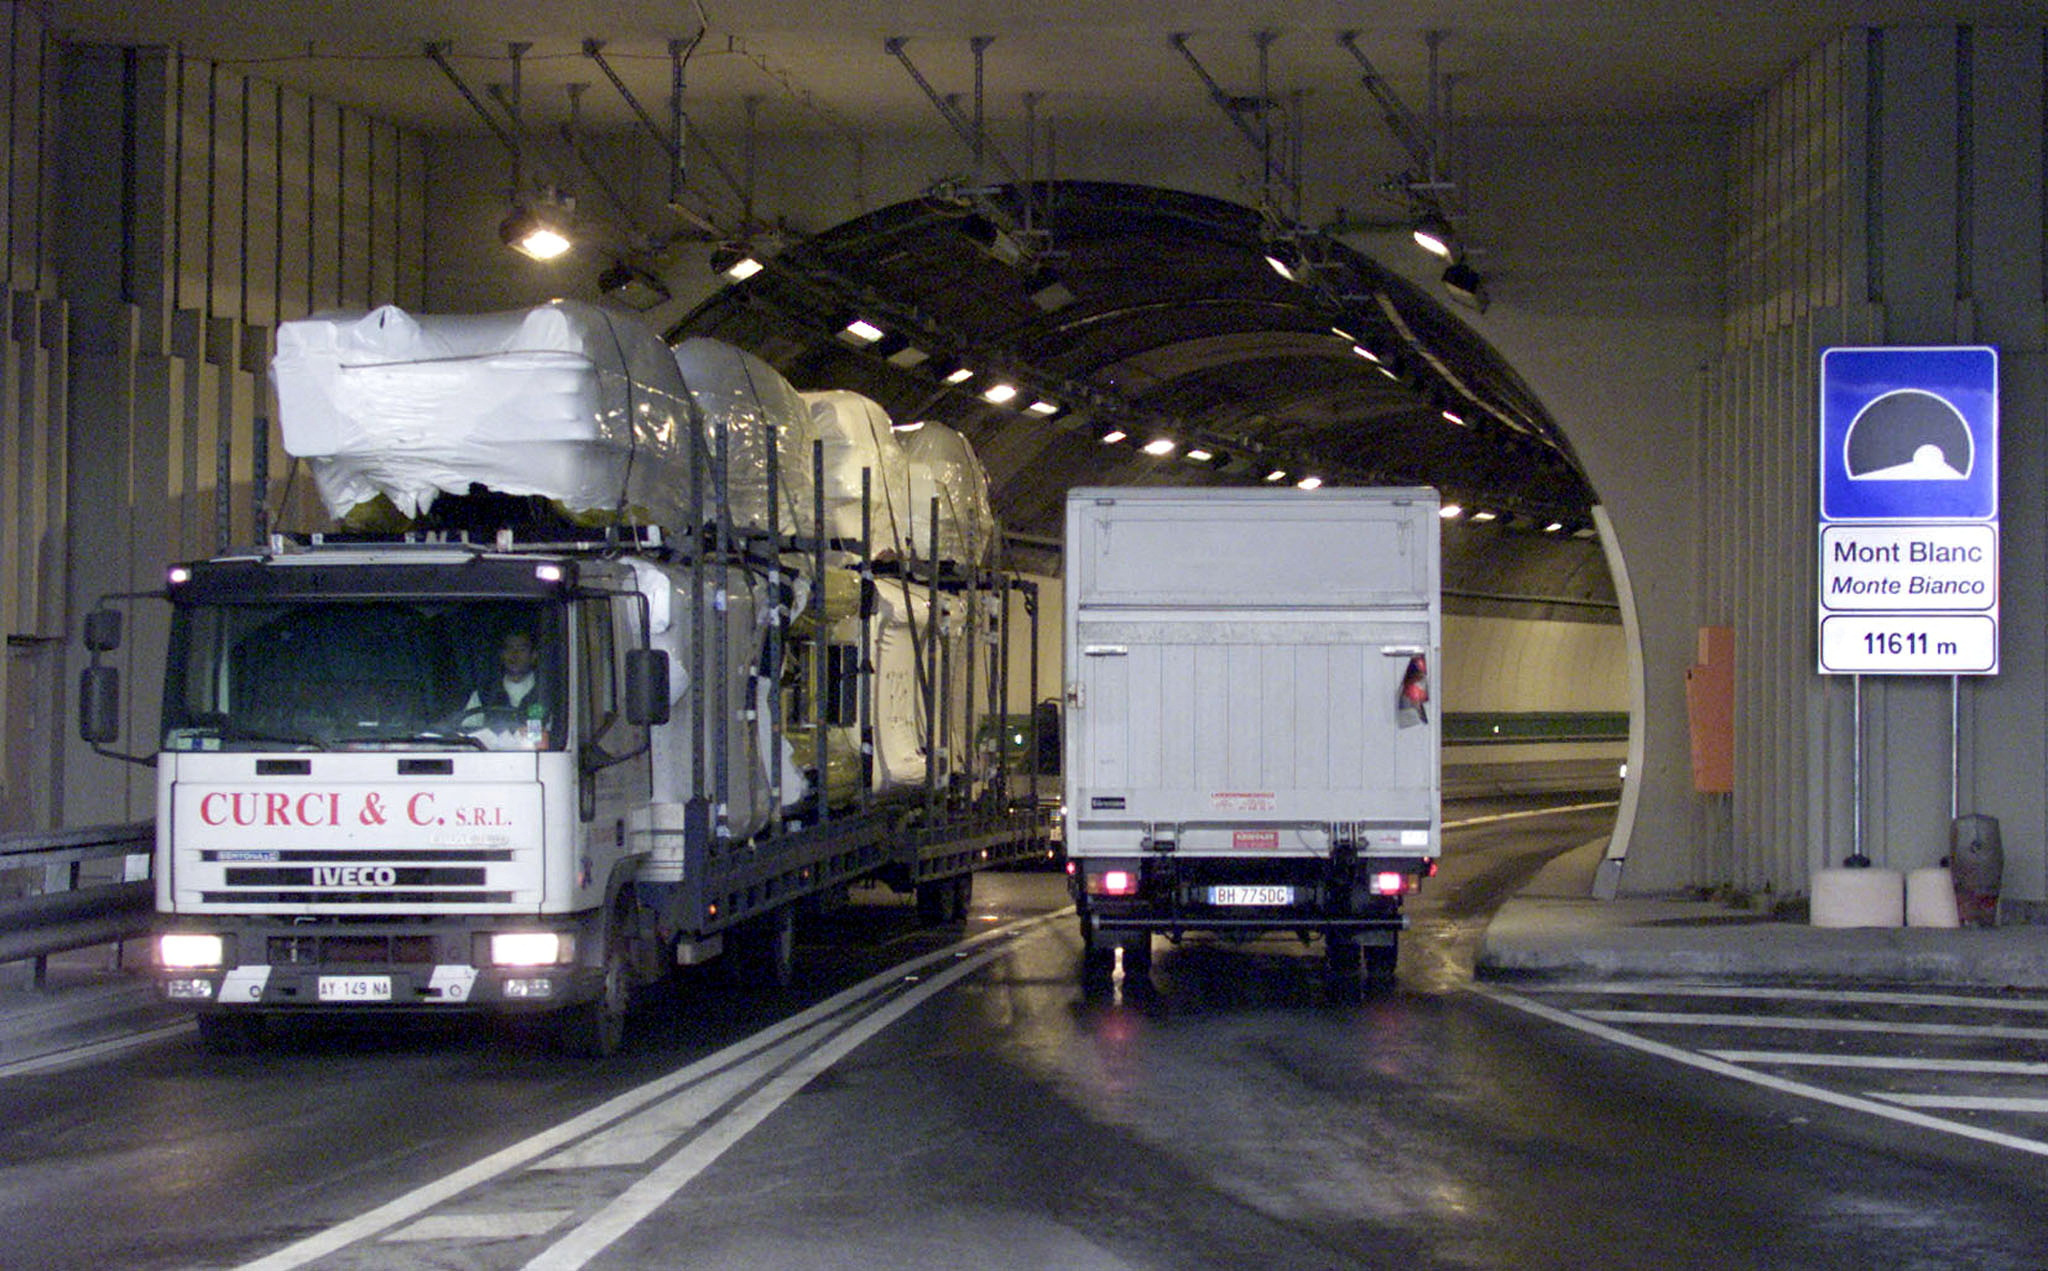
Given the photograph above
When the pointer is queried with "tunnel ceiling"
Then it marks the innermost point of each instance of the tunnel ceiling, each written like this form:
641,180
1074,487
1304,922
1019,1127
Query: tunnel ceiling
1158,314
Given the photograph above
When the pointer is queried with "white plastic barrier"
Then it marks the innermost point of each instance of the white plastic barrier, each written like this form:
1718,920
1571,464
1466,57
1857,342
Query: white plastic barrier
1859,898
1931,898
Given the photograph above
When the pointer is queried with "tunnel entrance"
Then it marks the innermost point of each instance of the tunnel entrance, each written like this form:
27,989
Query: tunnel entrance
1115,334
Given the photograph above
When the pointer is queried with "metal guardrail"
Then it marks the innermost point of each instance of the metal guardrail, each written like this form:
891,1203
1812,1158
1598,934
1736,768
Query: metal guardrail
50,904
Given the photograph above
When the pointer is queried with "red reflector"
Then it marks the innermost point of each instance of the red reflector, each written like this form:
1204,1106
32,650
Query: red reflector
1389,884
1118,882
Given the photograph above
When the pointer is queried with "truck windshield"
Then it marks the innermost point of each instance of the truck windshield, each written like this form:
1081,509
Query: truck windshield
366,674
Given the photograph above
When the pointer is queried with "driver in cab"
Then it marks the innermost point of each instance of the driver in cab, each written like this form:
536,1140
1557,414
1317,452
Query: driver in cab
510,712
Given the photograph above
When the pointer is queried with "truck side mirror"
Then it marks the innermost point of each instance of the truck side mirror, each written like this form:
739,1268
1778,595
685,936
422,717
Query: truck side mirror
647,693
103,630
99,702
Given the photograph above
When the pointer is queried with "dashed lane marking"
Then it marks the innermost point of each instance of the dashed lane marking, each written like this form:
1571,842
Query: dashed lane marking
1814,1024
1769,1081
1857,997
1966,1102
1885,1063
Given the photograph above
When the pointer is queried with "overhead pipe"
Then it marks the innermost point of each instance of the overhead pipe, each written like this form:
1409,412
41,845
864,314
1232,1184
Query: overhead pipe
674,141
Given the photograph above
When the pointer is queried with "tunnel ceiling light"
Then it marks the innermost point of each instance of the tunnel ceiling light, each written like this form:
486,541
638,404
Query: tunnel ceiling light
1450,511
1111,434
1344,335
632,286
540,232
1367,354
1464,285
1553,527
959,375
1200,454
862,332
993,239
1309,483
1433,235
1277,474
1049,293
1161,446
1453,417
1281,266
737,261
1043,408
999,394
1483,516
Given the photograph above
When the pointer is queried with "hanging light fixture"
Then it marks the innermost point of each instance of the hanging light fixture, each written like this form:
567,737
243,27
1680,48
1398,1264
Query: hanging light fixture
1433,234
538,232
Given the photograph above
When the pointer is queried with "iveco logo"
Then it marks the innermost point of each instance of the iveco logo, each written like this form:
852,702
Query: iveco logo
354,876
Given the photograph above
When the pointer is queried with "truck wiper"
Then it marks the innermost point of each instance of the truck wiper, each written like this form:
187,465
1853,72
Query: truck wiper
279,739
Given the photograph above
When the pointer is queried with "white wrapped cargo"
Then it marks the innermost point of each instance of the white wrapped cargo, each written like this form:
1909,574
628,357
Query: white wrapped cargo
943,465
567,401
743,397
857,435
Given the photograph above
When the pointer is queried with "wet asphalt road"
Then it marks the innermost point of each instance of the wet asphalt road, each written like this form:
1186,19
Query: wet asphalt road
1230,1114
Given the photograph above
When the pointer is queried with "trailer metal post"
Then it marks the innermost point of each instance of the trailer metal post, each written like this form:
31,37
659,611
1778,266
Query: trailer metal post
866,667
721,760
778,630
819,647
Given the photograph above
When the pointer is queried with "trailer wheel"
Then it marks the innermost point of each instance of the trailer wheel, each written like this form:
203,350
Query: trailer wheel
762,951
596,1029
230,1034
940,901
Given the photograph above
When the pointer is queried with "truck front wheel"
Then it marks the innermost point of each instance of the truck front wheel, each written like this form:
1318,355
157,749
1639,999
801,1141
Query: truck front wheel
596,1028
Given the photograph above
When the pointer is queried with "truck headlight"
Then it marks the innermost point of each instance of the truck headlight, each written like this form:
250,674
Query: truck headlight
186,952
531,948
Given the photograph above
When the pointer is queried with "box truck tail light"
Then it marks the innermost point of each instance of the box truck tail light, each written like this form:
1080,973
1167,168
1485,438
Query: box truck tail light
1389,883
1113,882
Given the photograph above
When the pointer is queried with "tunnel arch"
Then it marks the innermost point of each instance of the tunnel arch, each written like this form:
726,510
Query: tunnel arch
1156,312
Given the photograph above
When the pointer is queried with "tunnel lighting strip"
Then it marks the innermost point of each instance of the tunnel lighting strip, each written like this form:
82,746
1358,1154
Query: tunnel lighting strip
964,959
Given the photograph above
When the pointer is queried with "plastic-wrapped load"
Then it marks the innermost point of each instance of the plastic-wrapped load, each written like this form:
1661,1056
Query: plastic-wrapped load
942,464
741,395
857,435
568,401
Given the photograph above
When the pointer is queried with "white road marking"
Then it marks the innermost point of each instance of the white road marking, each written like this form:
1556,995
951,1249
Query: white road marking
94,1050
1965,1102
638,1138
1769,1081
1523,816
510,1225
1998,1032
1859,997
632,1207
370,1225
1890,1063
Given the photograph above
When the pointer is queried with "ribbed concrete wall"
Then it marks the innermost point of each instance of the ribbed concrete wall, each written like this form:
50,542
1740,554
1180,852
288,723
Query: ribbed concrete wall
1889,191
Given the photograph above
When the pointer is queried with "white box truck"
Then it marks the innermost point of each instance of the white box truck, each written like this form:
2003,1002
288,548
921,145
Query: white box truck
1249,745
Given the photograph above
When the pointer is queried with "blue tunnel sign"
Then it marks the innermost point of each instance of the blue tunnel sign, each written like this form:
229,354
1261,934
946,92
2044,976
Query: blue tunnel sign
1909,434
1909,539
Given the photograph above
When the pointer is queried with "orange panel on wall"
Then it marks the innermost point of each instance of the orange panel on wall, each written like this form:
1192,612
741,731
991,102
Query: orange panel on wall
1710,707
